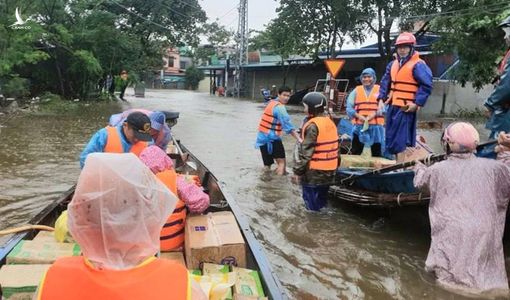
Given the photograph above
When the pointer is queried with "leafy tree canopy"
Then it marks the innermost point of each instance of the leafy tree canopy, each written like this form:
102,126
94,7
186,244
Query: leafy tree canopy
67,46
472,34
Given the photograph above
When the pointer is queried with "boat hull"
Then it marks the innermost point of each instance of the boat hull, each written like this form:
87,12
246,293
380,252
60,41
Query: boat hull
393,183
220,201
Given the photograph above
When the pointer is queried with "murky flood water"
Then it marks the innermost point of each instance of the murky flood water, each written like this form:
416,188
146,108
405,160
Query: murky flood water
343,252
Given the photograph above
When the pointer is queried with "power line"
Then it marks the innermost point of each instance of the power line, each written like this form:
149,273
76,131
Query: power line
461,12
175,11
228,12
148,20
234,20
189,4
138,15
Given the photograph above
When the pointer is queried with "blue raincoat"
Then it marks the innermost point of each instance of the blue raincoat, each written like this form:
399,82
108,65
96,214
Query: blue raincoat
98,142
375,133
499,103
401,126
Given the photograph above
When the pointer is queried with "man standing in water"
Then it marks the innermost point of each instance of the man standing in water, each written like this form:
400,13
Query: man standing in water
498,103
405,86
273,122
318,154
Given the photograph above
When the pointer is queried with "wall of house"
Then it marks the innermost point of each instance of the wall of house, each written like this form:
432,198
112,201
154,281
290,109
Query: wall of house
304,76
171,61
185,62
204,85
267,77
457,98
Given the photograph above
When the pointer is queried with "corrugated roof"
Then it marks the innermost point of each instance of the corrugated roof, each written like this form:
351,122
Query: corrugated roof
219,66
270,58
424,46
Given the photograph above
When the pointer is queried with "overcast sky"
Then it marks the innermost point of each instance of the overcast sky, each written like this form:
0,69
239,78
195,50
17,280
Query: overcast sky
260,12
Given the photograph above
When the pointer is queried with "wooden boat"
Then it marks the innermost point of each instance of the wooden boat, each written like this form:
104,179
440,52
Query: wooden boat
388,189
297,97
220,201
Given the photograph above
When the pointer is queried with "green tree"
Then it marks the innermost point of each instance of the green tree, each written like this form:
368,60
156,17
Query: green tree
193,77
472,34
18,49
15,87
219,39
217,35
379,16
260,41
202,54
72,44
311,27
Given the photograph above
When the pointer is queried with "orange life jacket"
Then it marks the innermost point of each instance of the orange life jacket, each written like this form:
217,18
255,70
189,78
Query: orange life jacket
325,155
74,278
114,144
172,234
403,84
367,105
268,122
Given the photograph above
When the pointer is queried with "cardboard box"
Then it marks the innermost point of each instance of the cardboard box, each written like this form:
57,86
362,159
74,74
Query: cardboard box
21,281
41,252
178,257
45,236
213,238
248,283
361,161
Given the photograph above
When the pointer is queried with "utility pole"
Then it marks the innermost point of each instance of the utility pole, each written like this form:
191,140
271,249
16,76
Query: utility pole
242,48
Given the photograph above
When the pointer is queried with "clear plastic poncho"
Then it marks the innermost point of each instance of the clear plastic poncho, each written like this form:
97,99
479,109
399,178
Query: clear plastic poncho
118,210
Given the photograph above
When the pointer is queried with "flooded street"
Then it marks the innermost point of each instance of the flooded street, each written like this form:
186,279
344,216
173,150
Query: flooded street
343,252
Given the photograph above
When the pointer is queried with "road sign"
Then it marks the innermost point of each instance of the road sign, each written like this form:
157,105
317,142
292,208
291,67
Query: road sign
334,66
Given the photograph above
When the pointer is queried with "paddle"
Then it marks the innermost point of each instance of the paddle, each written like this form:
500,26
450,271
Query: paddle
25,228
184,156
431,159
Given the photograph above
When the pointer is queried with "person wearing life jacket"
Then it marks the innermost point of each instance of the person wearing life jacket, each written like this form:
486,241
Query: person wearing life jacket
405,87
366,113
318,156
132,135
498,103
160,131
116,216
274,122
190,196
